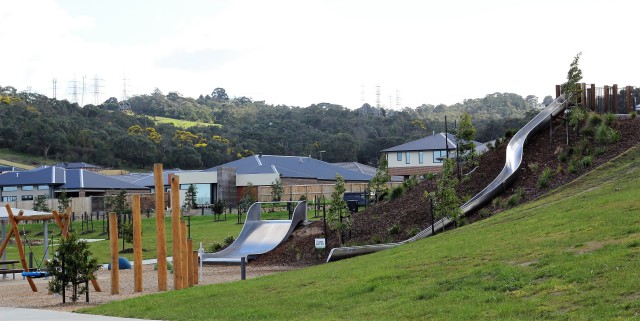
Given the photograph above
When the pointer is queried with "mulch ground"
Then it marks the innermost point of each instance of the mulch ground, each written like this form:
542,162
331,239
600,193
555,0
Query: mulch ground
397,220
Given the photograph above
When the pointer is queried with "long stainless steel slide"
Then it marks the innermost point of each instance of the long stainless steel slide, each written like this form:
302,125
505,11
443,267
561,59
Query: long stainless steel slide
506,176
258,236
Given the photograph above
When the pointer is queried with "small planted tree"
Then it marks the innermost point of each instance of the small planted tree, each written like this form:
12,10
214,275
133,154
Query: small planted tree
63,201
378,183
574,75
277,190
79,267
446,203
190,198
217,207
335,220
466,133
40,204
247,197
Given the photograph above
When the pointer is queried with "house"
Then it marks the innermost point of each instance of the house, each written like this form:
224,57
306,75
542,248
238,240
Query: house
49,181
365,169
423,155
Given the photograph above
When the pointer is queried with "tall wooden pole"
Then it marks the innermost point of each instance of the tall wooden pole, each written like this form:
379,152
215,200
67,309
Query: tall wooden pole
16,233
195,271
160,231
176,240
184,254
137,243
113,239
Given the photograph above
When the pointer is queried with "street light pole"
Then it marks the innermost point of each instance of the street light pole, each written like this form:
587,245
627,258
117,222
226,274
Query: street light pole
322,151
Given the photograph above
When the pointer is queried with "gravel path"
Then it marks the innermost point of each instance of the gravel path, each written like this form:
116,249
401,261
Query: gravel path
17,293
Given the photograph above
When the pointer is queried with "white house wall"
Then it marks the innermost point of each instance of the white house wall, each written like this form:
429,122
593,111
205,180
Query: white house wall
413,159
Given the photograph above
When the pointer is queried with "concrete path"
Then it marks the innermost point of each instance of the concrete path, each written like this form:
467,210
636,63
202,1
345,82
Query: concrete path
19,314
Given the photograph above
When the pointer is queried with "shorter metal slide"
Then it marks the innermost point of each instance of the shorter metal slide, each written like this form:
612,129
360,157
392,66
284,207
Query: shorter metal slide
257,236
506,176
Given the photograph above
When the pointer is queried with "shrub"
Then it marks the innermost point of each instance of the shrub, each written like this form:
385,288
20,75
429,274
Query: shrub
509,133
577,116
513,200
563,156
394,230
396,192
484,213
169,267
543,180
587,131
228,240
559,169
600,150
609,118
586,161
413,231
214,247
594,120
606,135
633,114
410,182
533,167
429,176
572,167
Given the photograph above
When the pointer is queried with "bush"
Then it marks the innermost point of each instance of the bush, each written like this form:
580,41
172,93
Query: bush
484,213
396,192
559,169
543,180
169,267
609,118
509,133
429,176
228,240
214,247
586,161
563,156
410,182
606,135
600,150
394,230
594,120
633,114
572,167
587,131
577,116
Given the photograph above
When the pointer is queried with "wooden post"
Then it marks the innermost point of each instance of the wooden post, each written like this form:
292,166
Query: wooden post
113,240
176,240
583,94
137,243
160,231
184,255
189,259
16,233
628,98
558,91
614,108
593,97
606,99
195,262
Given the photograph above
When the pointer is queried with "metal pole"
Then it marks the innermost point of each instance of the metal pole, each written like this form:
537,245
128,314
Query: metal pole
189,227
46,240
446,143
243,268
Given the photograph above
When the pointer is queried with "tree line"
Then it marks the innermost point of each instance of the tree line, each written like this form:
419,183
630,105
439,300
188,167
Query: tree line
231,128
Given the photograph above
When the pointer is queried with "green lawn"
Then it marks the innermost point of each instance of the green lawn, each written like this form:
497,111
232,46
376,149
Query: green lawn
203,229
25,161
181,123
574,255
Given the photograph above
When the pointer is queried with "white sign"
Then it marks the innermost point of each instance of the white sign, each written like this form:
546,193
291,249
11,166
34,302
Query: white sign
320,243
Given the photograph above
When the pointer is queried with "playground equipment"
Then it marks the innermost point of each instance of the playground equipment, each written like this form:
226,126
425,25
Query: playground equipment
258,236
63,221
506,176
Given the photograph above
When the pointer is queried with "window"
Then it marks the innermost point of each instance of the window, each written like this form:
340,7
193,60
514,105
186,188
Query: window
27,188
408,158
9,198
399,156
421,157
27,197
42,196
439,155
10,188
43,187
184,187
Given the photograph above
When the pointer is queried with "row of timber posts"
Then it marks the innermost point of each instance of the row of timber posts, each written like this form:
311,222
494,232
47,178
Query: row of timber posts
587,98
185,259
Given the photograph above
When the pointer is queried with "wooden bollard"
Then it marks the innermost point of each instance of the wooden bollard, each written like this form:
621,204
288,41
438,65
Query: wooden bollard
160,232
189,259
176,230
113,239
137,243
184,255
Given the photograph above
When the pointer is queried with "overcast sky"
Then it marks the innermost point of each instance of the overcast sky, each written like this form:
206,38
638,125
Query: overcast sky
302,52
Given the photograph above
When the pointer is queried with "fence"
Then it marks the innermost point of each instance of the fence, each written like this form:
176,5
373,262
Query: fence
94,203
295,192
607,99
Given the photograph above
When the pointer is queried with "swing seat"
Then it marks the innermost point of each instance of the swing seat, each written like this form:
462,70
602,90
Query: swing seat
35,274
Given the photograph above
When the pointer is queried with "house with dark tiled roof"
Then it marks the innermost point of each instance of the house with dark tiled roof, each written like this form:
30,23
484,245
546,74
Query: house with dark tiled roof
49,181
424,155
78,165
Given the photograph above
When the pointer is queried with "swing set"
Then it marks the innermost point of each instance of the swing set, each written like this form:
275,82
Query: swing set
62,219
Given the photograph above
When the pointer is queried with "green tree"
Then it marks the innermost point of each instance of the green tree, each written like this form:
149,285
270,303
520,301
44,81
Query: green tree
445,200
338,206
64,201
40,204
574,75
247,197
78,266
378,183
190,197
466,133
117,203
277,190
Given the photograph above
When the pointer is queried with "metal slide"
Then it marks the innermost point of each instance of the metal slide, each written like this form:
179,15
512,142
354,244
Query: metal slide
258,236
506,176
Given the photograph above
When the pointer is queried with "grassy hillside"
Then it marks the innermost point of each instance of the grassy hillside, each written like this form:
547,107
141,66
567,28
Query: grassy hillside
571,255
181,123
25,161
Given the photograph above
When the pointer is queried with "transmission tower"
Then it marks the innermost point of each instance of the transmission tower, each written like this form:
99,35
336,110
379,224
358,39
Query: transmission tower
97,87
124,101
378,96
55,88
84,89
73,89
361,95
398,99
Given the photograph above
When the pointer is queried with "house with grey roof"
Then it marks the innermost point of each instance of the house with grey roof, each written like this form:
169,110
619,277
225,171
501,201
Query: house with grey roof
424,155
49,181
